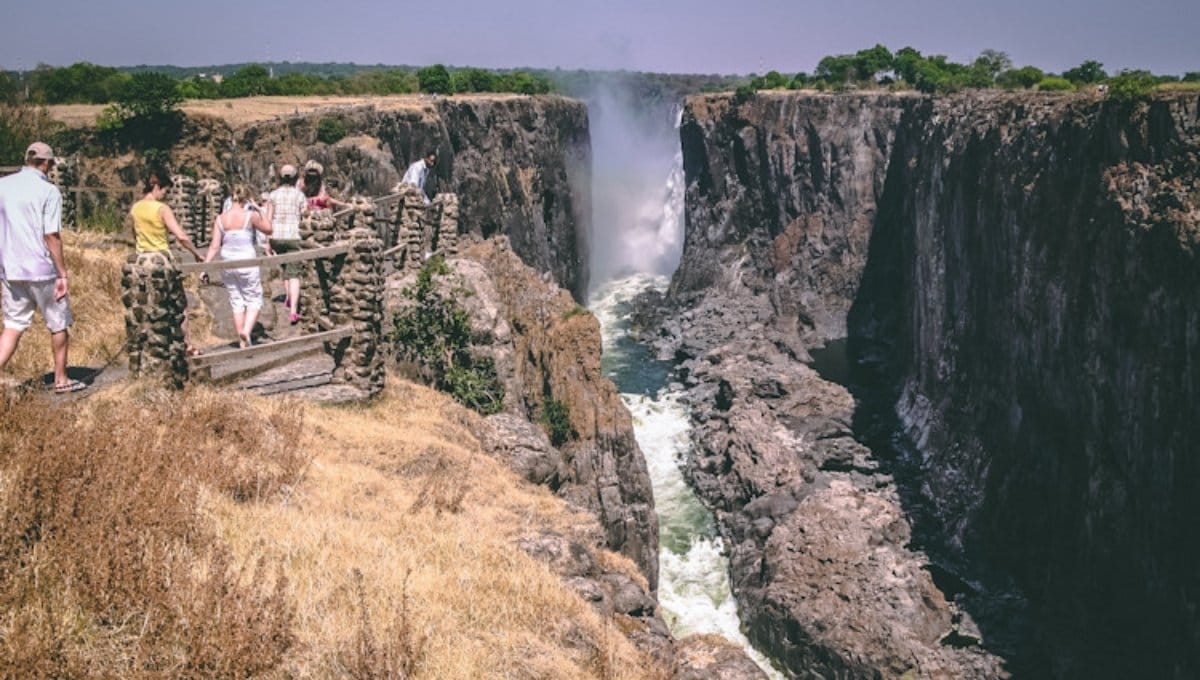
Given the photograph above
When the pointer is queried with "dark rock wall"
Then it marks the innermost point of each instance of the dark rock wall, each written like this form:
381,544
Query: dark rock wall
1050,330
781,198
520,165
1028,262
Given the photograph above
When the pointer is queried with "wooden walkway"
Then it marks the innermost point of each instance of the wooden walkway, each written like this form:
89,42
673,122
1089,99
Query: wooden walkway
285,361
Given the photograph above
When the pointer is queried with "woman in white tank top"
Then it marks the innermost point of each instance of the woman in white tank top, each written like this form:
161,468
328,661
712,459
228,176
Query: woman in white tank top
233,236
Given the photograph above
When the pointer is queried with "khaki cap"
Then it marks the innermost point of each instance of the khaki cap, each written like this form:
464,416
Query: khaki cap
39,150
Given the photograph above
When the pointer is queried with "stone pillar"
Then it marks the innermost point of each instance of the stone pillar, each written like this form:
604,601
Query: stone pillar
182,199
209,197
65,175
155,303
446,234
362,281
318,229
363,215
410,227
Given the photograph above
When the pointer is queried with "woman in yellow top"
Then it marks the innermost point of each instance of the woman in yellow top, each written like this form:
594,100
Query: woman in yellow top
152,219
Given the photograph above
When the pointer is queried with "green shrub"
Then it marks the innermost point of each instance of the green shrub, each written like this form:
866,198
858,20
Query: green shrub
774,80
1090,71
523,83
1024,77
556,418
1055,84
473,80
146,115
434,79
1131,85
434,332
105,219
330,130
20,125
743,94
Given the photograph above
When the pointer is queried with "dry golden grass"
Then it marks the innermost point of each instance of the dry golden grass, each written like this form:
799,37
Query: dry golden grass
401,511
250,110
98,335
156,534
109,566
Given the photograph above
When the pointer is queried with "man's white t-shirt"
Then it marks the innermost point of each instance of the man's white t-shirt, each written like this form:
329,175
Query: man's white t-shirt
416,174
30,208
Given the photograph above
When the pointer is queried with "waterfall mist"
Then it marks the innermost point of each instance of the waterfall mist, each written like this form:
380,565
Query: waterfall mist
637,184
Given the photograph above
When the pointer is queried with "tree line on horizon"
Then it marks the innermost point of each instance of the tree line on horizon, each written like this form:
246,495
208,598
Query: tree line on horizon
87,83
907,68
875,67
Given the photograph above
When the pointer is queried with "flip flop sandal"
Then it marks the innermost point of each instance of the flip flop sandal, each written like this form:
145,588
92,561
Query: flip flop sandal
70,386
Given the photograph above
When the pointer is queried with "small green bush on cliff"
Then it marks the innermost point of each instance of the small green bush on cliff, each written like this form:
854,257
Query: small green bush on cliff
330,130
434,333
556,418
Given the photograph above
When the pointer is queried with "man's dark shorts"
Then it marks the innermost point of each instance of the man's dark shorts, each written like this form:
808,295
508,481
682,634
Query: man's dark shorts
291,270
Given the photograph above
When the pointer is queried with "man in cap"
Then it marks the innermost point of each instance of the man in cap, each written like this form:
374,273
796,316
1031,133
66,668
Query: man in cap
284,206
31,258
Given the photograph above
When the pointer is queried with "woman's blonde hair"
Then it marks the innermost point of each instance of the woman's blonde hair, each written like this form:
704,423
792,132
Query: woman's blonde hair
240,194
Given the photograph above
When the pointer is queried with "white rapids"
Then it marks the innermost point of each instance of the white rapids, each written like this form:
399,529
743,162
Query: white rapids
694,588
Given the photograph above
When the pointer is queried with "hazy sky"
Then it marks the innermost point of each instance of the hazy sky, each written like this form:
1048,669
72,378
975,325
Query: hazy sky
698,36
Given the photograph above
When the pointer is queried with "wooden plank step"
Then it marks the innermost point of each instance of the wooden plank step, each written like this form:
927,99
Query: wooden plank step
312,339
289,385
237,371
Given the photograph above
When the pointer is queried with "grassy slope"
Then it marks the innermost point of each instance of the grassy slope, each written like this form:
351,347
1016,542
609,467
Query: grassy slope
208,534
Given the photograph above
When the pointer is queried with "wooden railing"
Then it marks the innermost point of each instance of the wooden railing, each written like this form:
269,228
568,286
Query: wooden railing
202,364
266,260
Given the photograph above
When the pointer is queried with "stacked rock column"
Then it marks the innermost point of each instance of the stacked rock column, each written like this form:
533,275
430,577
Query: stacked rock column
152,290
209,195
65,175
362,280
318,229
447,224
411,232
182,199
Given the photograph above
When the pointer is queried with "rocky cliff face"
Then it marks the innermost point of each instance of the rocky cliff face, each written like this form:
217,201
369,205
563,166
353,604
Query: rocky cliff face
547,348
782,194
1022,267
781,198
520,165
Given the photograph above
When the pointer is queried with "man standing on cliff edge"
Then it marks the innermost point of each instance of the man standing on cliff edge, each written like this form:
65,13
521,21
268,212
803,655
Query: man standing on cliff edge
31,261
418,173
